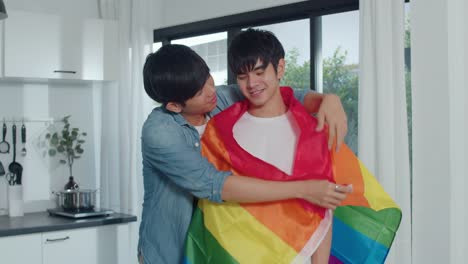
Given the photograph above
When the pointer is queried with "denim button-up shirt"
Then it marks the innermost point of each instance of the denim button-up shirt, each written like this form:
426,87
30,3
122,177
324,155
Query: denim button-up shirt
174,172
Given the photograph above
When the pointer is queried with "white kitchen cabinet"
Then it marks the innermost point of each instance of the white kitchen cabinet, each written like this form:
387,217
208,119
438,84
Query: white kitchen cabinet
74,246
108,244
102,242
50,46
32,45
21,249
104,245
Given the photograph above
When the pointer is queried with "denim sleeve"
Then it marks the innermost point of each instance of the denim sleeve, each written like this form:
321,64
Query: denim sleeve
230,94
300,94
169,154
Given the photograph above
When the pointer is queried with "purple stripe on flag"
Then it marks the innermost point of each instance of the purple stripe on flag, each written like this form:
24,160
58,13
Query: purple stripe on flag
334,260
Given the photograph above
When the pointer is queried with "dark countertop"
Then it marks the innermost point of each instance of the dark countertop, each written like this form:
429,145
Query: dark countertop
43,222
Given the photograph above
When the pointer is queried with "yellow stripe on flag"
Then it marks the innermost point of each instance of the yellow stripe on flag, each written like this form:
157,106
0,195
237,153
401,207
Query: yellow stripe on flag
375,194
255,243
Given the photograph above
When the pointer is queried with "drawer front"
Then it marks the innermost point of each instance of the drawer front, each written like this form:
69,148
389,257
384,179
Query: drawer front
21,249
70,246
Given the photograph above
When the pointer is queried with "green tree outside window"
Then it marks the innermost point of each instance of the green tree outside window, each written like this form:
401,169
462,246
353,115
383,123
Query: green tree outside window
338,78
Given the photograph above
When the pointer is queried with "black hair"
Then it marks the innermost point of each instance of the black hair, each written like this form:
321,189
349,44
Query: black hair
175,73
251,45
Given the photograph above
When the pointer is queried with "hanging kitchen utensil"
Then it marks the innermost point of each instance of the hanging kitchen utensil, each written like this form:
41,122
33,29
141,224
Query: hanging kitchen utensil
4,146
2,169
23,140
14,166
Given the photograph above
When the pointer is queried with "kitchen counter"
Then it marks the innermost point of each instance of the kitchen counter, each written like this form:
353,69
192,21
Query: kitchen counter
43,222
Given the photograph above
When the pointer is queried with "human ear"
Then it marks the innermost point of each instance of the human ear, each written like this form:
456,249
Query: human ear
281,68
174,107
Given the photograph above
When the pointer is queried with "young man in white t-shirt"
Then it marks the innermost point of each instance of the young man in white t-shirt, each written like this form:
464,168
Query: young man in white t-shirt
267,130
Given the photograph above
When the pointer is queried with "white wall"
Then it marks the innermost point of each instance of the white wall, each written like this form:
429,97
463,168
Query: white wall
430,148
176,12
38,102
439,65
81,8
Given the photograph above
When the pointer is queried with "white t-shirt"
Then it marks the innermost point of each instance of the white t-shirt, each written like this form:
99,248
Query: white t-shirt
201,129
271,139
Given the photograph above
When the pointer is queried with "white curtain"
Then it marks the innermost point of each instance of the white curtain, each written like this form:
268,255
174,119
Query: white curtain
125,106
439,41
383,129
108,9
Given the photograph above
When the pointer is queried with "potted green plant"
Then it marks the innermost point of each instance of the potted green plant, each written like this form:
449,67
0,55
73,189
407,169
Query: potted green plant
67,145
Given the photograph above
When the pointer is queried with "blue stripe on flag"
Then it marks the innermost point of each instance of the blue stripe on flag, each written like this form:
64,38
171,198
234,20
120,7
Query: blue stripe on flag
357,247
186,260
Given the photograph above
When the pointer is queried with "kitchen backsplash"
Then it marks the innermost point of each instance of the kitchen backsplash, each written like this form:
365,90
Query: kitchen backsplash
39,104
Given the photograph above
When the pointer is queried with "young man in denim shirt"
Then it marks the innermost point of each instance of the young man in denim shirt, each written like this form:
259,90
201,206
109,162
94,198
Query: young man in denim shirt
174,171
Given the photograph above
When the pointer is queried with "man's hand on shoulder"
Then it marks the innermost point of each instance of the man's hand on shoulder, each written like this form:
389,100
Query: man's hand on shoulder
331,112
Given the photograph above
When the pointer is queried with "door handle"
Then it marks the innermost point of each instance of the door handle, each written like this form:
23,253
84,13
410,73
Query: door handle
57,239
60,71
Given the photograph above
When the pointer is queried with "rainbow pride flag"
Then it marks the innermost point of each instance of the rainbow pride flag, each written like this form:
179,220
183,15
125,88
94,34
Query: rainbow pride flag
290,231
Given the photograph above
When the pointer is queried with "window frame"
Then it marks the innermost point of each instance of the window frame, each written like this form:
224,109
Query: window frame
232,24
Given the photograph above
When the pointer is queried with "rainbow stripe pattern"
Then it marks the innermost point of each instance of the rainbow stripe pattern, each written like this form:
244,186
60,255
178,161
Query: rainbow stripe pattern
290,231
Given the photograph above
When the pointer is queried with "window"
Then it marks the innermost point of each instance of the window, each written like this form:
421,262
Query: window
297,49
156,46
340,51
408,80
213,49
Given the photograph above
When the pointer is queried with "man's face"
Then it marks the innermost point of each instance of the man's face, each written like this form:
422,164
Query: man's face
261,84
203,102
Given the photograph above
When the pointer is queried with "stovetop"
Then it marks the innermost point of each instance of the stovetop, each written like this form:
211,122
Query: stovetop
80,214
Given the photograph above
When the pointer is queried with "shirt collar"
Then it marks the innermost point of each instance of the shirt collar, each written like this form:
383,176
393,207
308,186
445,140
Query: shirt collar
177,117
180,119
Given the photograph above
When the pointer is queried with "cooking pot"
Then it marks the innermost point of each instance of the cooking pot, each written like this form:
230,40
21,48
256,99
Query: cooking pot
76,200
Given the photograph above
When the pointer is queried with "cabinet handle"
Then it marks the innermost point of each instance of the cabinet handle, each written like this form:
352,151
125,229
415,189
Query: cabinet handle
59,71
57,239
